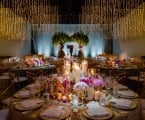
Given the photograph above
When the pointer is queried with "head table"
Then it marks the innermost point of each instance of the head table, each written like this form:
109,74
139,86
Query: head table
17,112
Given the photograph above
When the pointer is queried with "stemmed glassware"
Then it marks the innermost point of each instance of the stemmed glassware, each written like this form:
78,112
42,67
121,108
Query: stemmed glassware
82,95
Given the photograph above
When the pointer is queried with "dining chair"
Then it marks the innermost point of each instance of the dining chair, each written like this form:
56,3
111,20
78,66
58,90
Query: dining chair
138,78
142,105
6,95
4,114
30,74
119,75
19,81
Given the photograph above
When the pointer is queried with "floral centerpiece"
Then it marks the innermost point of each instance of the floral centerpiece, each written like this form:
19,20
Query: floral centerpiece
93,81
87,80
34,61
98,82
80,86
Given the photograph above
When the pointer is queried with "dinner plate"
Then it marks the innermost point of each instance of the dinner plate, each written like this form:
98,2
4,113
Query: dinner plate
20,107
133,105
128,97
17,94
66,111
99,117
30,86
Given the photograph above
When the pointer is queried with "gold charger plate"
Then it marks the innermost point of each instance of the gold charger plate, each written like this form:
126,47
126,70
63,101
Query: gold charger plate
66,111
133,105
18,106
99,117
128,97
17,95
30,86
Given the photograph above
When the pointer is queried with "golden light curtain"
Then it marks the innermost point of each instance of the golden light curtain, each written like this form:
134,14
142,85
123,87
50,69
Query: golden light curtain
12,27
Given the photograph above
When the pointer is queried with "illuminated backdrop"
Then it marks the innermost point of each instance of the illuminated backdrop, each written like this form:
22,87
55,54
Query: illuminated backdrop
43,39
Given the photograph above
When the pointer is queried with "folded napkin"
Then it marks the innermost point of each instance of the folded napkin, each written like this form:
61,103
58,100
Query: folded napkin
93,104
23,93
52,112
97,112
30,86
122,87
30,103
127,93
126,103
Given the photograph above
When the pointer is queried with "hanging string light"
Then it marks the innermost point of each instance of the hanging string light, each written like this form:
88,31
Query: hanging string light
124,18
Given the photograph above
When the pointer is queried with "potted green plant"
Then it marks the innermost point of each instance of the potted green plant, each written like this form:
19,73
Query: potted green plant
59,39
82,40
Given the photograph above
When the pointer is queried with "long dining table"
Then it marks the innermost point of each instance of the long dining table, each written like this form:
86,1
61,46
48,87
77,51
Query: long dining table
17,112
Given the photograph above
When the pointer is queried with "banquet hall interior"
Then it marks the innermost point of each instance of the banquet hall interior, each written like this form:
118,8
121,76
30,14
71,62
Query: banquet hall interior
72,60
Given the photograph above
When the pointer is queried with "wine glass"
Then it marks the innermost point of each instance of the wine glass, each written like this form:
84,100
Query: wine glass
53,94
37,87
82,95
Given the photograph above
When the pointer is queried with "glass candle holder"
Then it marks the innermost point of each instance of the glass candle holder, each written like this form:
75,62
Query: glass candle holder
64,98
59,96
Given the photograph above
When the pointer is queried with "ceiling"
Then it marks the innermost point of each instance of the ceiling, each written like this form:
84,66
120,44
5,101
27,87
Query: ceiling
71,11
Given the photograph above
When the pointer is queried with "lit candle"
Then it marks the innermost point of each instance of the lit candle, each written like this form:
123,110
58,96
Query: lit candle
70,97
84,66
97,95
67,67
59,96
64,99
113,64
92,71
76,72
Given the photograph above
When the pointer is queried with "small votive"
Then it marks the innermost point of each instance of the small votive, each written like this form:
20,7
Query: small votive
59,96
102,99
97,95
64,99
70,97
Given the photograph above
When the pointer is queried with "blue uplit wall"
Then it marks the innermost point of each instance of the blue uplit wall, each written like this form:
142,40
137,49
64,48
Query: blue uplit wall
44,39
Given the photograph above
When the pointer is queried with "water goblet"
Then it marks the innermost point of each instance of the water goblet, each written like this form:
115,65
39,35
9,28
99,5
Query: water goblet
82,95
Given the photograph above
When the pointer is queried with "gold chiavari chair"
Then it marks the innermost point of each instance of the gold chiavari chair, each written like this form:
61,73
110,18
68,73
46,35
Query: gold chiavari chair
33,73
138,77
4,114
119,75
6,95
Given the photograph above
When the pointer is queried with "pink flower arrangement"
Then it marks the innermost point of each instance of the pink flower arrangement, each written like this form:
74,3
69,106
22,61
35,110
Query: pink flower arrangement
98,82
93,81
80,86
86,79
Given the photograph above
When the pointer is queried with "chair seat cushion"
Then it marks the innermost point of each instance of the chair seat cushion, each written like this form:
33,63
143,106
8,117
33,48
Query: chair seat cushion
135,78
6,101
143,114
5,73
142,103
4,77
4,114
21,79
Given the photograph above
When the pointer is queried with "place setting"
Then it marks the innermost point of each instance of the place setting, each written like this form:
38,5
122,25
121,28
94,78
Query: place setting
95,111
127,94
124,104
28,104
55,112
25,93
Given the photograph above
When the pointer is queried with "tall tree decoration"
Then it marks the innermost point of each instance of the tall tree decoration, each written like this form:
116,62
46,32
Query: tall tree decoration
59,39
82,40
